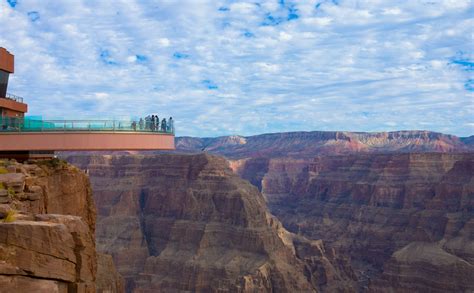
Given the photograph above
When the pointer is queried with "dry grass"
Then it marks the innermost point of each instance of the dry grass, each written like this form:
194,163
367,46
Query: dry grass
11,216
11,192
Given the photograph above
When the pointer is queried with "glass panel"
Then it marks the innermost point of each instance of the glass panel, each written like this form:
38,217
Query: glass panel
36,124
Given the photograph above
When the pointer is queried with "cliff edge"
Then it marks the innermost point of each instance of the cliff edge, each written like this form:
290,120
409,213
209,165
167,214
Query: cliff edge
187,223
47,226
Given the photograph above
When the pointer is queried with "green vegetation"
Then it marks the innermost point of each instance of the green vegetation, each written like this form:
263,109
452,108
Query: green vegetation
3,170
11,216
53,163
11,192
2,186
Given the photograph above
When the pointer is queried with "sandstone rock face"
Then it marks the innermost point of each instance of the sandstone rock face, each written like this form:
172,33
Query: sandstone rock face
179,223
382,196
425,267
377,209
108,279
60,249
49,245
310,144
370,206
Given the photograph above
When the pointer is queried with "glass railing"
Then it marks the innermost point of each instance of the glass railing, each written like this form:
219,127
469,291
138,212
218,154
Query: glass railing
8,124
14,98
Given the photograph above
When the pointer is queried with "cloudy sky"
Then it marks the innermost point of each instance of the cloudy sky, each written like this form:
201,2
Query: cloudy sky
247,67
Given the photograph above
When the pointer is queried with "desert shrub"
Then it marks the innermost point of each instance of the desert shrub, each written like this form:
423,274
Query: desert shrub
11,192
54,163
11,216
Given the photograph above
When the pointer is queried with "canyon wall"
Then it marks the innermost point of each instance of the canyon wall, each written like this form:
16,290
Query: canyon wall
405,220
47,225
369,212
188,223
399,205
310,144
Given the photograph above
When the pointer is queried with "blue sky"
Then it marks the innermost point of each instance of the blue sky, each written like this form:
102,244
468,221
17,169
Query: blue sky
247,67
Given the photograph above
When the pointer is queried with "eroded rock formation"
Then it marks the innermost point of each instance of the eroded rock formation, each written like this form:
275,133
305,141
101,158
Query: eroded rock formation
375,206
310,144
188,223
47,225
382,210
372,201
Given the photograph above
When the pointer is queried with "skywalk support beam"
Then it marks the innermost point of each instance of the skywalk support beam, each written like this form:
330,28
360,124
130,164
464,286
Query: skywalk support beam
85,141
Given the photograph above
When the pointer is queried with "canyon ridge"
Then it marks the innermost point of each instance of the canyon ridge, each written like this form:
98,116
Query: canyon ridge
359,212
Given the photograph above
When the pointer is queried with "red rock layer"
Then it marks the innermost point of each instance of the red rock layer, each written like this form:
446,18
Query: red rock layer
49,245
310,144
382,210
188,223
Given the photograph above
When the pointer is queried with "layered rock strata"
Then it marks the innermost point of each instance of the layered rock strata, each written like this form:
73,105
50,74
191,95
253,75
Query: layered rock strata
187,223
47,225
406,220
310,144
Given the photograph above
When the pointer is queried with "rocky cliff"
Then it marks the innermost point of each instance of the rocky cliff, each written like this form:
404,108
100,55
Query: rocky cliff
47,225
394,208
310,144
406,220
188,223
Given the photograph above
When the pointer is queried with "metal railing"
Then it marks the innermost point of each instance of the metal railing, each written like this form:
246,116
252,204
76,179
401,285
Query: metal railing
14,98
10,124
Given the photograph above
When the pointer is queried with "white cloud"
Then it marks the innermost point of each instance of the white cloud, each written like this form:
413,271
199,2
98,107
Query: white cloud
266,67
164,42
392,11
284,36
247,67
318,21
242,7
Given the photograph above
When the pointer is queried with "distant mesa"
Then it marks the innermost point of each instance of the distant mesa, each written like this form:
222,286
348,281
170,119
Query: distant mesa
314,143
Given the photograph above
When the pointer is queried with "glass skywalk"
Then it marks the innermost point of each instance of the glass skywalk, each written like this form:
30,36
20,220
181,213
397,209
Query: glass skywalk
27,124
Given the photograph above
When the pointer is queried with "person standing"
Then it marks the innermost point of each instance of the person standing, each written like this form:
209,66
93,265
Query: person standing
170,125
147,122
163,124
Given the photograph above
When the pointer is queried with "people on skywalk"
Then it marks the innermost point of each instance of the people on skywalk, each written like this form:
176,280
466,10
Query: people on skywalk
170,125
153,122
148,122
163,124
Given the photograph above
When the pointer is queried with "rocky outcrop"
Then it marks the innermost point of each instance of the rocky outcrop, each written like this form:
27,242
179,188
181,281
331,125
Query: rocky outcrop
310,144
372,202
108,279
383,209
50,247
367,196
368,206
47,224
425,267
188,223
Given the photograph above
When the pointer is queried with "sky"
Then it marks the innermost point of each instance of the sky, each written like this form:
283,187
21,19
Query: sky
247,67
